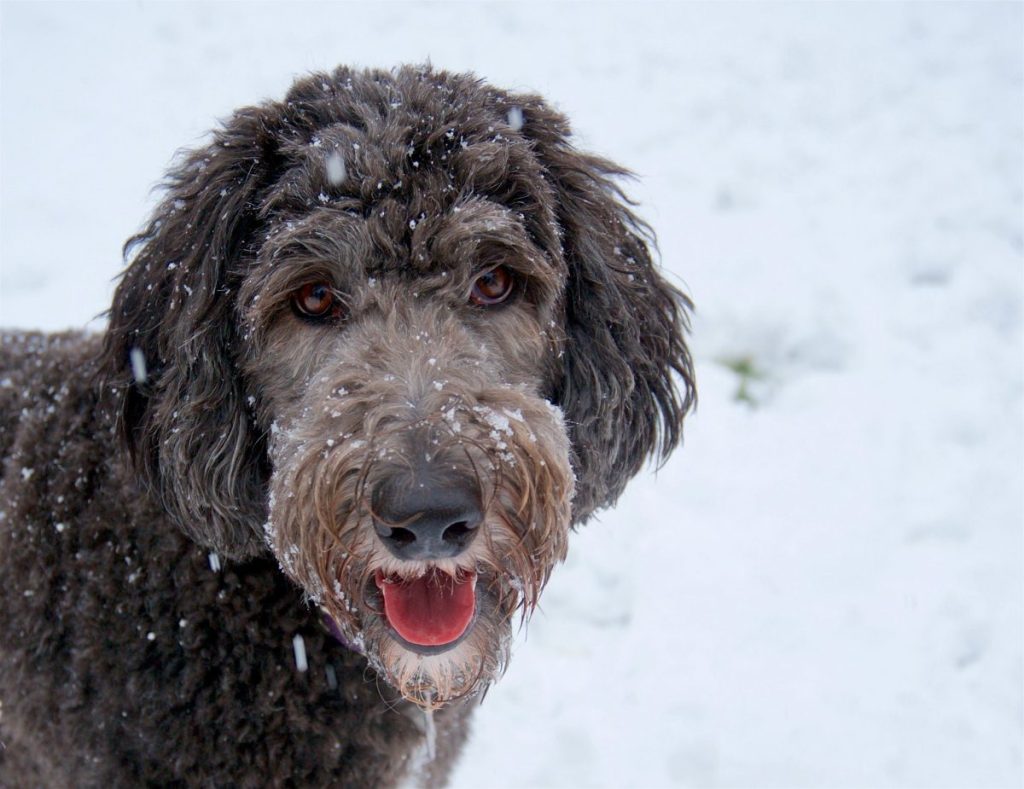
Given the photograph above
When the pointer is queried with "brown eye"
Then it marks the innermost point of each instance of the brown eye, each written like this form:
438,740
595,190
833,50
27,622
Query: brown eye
316,300
492,287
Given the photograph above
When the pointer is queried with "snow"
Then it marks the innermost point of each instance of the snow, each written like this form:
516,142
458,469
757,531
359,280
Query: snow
500,422
824,587
138,362
299,647
335,169
515,118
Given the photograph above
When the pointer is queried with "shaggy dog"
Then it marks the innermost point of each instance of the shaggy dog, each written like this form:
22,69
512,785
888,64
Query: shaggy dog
381,347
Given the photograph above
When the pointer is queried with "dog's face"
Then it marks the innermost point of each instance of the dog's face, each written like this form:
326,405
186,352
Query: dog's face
421,486
399,332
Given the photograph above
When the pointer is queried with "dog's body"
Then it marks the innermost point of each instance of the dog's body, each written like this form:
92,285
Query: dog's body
381,347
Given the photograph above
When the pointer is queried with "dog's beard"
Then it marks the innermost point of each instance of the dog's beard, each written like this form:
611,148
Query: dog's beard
411,619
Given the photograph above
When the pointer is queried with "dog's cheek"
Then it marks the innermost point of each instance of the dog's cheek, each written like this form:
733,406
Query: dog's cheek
520,346
284,366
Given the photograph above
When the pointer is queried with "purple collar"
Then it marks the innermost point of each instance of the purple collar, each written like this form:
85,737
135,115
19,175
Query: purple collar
335,630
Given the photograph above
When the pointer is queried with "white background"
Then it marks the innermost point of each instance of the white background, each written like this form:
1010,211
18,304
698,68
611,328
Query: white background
823,588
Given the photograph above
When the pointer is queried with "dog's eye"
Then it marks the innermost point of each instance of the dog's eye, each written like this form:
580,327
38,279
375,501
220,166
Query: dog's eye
316,300
492,287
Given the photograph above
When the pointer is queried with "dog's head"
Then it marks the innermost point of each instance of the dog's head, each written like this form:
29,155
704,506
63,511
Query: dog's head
399,331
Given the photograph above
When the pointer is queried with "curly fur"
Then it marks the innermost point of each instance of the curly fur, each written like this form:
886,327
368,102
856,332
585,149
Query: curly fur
167,533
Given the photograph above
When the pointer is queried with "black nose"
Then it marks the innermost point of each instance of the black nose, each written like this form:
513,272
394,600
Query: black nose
424,518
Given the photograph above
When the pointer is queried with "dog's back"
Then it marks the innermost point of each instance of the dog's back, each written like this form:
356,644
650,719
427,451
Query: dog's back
131,656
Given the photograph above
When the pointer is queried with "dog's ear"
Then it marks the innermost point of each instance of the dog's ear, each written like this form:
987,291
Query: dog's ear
627,376
170,348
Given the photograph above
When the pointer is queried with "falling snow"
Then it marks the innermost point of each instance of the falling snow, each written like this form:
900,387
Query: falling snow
335,167
299,647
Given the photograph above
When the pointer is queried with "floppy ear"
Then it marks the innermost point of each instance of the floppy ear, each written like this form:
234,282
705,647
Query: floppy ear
170,347
627,379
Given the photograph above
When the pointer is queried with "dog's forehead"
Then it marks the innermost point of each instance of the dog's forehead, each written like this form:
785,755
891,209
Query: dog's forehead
467,207
403,164
383,157
408,127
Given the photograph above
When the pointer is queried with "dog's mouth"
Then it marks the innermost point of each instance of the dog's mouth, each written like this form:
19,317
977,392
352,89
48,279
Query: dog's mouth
431,613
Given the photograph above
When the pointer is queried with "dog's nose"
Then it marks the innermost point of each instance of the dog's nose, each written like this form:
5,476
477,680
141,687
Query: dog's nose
426,519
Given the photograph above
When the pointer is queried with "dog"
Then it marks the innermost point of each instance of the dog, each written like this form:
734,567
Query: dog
382,346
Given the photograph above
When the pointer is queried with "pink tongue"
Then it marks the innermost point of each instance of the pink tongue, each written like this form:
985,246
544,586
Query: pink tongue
431,611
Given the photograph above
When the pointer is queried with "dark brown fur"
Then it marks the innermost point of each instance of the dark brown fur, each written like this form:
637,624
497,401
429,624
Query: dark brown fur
255,440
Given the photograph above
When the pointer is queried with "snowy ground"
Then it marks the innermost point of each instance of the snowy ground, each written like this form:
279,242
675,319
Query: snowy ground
824,588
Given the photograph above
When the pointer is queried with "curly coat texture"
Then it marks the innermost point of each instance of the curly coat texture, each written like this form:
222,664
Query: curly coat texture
189,498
